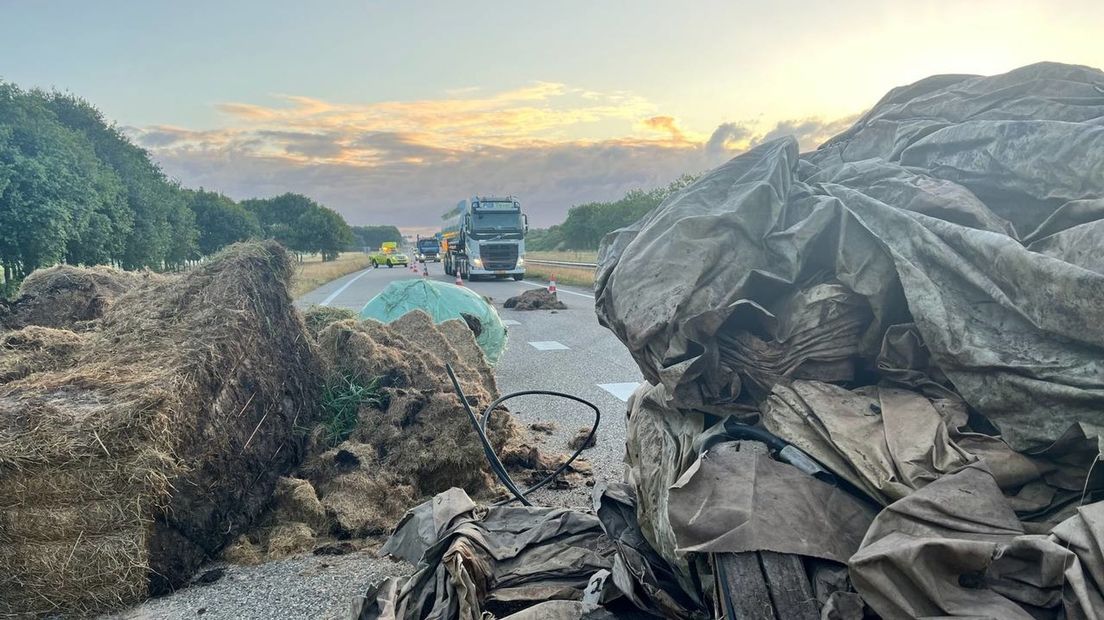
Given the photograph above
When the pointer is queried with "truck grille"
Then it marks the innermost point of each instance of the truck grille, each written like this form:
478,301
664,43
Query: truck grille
499,256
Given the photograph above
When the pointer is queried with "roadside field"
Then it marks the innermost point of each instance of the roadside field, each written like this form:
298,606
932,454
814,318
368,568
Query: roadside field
575,256
313,273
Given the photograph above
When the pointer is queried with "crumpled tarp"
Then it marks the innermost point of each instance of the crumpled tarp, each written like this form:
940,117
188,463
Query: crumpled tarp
443,302
469,557
921,209
917,304
955,548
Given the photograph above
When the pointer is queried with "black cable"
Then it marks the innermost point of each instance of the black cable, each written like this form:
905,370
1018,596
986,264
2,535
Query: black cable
480,426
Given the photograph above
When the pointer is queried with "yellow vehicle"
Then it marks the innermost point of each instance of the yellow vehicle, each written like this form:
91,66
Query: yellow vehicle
389,255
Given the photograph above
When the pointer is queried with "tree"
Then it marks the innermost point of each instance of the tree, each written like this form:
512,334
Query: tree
301,224
324,231
375,236
54,191
220,221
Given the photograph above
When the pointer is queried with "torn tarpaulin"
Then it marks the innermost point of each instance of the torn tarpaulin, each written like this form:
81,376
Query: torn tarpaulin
919,209
955,548
472,558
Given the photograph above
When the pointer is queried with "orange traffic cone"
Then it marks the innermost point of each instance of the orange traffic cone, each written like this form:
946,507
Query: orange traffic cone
552,285
425,270
459,280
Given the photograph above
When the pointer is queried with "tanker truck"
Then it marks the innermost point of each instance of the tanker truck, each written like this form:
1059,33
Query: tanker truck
487,239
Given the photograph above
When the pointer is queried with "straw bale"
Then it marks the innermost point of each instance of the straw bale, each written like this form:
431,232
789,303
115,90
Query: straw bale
175,423
36,349
68,297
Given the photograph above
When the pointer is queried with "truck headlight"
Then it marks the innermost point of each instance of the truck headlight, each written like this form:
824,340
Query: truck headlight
477,263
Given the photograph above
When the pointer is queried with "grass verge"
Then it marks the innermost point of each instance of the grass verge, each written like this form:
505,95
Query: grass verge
313,273
571,256
564,275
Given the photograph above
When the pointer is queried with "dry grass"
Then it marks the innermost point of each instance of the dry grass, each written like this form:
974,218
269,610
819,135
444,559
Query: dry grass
564,275
313,273
574,256
120,474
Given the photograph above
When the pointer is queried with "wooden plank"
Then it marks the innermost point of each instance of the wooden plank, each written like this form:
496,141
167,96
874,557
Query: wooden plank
743,588
789,586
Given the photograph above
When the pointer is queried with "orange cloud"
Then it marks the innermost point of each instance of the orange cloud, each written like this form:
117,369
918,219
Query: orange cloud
666,124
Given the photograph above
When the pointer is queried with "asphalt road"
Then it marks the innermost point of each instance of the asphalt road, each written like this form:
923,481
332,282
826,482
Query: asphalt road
565,350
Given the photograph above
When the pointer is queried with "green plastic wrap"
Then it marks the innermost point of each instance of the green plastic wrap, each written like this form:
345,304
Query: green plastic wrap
442,302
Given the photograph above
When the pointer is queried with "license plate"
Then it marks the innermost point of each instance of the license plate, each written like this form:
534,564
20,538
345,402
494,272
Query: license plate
501,273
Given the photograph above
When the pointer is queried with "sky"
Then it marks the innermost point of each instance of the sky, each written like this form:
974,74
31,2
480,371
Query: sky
392,112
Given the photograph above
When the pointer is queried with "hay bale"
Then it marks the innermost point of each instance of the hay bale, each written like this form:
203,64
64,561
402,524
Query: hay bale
68,297
36,349
162,444
318,318
535,299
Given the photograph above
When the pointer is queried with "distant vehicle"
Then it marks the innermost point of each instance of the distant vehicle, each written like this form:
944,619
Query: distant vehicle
389,255
427,250
488,239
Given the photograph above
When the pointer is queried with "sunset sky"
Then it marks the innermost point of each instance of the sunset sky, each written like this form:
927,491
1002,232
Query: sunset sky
392,112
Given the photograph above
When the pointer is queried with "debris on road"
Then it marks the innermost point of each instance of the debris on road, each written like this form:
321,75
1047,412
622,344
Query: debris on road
910,319
408,441
442,302
880,397
535,299
582,439
120,475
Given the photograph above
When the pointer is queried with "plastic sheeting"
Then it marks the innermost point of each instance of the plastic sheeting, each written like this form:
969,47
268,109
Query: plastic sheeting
921,210
443,302
919,306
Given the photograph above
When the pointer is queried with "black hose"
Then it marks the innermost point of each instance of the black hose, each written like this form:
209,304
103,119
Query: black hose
480,426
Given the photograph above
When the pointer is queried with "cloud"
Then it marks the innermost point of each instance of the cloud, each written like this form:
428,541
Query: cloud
406,162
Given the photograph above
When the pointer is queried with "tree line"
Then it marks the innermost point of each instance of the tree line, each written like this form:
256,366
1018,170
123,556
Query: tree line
587,223
74,189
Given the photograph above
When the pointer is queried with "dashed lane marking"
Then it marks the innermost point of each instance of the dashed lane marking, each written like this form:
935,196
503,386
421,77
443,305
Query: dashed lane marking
548,345
333,295
620,390
509,322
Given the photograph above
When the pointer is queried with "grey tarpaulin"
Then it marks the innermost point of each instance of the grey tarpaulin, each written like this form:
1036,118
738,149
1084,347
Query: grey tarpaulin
469,557
921,210
955,548
917,304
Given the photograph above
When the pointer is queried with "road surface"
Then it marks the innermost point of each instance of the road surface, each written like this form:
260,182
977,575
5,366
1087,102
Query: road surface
565,350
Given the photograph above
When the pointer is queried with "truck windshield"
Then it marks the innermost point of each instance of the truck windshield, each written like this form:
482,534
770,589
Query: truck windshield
496,221
429,246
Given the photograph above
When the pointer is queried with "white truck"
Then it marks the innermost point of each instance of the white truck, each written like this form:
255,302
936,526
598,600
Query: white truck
487,239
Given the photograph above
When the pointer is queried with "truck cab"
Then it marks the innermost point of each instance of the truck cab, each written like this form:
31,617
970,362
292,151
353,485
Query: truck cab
427,250
488,239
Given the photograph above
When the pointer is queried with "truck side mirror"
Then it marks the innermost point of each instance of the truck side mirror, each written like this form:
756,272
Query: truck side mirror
525,219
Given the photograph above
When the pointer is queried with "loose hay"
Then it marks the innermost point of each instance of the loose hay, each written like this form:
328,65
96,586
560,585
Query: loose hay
161,445
535,299
69,297
417,441
36,349
317,318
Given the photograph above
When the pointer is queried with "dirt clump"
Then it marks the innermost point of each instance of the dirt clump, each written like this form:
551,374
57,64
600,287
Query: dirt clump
582,439
535,299
121,474
68,297
36,349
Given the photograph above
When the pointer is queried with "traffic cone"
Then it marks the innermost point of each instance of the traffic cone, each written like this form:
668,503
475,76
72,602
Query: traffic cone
459,280
425,270
552,285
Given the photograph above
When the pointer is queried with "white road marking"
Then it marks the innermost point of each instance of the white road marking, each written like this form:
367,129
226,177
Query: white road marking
548,345
621,390
558,290
510,322
333,295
